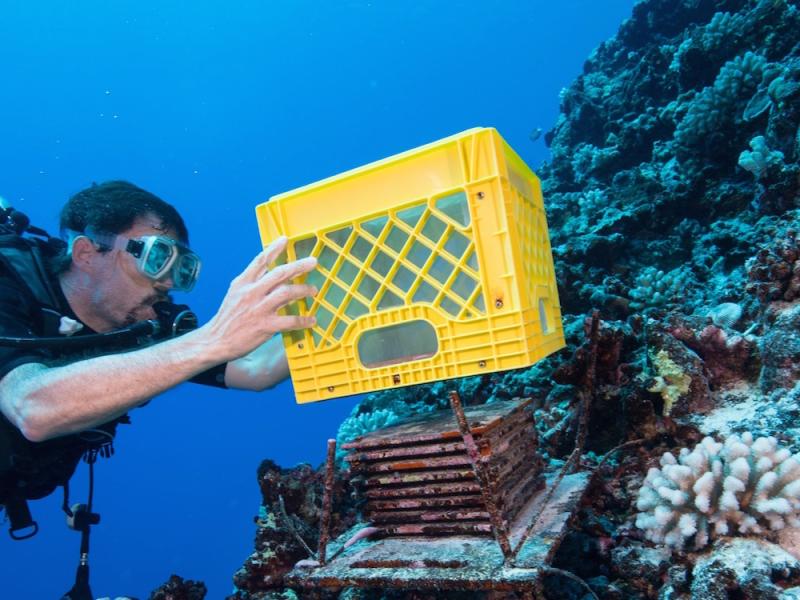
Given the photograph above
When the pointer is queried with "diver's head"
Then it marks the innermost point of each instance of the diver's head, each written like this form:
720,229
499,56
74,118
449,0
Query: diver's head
113,207
127,251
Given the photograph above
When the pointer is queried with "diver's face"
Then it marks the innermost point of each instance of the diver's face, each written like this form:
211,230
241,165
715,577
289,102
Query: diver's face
123,295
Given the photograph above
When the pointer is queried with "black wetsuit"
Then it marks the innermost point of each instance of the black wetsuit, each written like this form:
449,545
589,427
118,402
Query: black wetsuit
31,470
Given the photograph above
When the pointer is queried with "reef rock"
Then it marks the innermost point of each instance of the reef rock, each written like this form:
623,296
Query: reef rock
749,569
178,588
290,511
780,351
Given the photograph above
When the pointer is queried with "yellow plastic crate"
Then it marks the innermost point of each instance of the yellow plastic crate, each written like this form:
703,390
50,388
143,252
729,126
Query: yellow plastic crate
434,263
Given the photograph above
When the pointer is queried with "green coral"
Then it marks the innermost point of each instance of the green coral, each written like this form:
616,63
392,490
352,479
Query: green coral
266,518
671,382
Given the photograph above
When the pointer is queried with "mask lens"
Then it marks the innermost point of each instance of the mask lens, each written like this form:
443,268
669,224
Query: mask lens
157,258
184,273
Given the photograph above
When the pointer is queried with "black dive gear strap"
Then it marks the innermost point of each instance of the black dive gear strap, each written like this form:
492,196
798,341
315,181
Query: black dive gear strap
171,320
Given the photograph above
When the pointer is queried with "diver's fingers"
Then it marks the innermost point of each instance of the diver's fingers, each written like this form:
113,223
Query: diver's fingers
286,294
258,266
283,273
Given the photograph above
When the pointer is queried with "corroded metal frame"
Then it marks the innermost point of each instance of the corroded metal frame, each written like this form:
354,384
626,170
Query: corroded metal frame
456,562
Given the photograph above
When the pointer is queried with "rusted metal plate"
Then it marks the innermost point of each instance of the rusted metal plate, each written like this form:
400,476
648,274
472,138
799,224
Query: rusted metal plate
511,504
382,454
504,465
427,516
420,477
419,491
519,423
418,487
430,502
510,499
513,447
440,426
455,562
434,530
540,545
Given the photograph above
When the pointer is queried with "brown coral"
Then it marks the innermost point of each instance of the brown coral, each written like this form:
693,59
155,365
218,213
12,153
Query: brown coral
774,272
726,358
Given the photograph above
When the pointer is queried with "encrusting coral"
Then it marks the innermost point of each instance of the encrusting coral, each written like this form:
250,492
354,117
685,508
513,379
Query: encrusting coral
671,382
739,486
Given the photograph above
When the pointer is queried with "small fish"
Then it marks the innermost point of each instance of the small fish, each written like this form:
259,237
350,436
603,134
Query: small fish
535,134
360,535
306,563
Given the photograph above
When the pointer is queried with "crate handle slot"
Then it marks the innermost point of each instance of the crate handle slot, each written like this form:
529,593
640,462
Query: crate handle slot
394,344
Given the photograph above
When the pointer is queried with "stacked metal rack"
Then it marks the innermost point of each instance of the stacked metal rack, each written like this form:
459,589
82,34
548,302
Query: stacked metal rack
418,478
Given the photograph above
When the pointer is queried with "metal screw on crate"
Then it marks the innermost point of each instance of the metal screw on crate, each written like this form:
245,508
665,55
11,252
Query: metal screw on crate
482,364
481,195
498,303
330,388
396,379
300,346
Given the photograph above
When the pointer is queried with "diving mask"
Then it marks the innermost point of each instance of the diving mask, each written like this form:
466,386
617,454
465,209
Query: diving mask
156,257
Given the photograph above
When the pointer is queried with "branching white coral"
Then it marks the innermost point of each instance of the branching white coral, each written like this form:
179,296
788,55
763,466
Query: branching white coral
739,486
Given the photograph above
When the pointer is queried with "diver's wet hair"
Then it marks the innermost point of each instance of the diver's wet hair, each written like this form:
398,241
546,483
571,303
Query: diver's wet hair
112,207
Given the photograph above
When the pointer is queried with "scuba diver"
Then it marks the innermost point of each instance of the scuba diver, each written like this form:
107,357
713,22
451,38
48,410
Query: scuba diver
88,332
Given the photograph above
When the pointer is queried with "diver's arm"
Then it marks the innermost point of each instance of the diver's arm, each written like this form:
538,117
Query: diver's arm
46,402
263,368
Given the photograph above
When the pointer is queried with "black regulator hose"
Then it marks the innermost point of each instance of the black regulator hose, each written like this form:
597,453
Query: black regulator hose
172,320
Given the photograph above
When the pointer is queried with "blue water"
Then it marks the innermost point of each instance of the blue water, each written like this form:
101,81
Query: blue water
215,107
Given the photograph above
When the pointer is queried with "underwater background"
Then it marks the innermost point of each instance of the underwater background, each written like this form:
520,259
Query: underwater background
215,108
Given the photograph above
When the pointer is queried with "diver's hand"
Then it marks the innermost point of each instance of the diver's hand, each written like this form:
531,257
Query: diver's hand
248,315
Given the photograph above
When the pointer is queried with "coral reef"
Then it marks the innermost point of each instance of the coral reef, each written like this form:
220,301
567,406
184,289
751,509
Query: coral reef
672,197
739,486
287,527
761,159
178,588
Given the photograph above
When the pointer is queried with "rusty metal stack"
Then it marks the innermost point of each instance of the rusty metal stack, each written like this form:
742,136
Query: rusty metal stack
417,478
